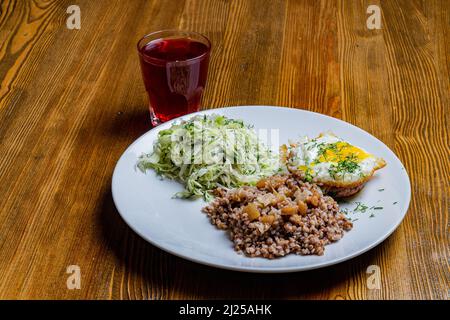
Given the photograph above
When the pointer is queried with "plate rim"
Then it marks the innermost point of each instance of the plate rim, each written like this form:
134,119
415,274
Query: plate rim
259,269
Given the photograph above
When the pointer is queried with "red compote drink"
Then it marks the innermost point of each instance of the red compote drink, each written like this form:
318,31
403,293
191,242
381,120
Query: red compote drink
174,66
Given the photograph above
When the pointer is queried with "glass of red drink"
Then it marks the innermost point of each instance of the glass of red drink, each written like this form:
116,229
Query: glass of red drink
174,66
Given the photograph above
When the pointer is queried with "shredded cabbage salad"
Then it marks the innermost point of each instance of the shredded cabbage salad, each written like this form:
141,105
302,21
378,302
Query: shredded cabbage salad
206,152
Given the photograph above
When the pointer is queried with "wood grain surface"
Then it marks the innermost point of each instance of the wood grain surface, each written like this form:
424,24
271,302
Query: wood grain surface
71,101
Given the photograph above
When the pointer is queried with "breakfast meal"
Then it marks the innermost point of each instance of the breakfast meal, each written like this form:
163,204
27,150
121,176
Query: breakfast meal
340,168
278,216
268,210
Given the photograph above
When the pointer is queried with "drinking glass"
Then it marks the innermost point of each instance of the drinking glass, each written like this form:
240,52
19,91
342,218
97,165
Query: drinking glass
174,67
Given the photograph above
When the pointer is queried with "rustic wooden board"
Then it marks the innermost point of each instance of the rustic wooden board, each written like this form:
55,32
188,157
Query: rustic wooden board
71,101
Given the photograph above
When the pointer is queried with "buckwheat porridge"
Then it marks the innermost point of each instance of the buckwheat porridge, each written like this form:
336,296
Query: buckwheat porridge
279,216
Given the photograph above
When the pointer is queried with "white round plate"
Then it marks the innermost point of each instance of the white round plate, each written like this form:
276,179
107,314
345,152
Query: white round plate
178,226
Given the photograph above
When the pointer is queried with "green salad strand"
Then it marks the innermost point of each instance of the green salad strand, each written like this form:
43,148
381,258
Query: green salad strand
206,152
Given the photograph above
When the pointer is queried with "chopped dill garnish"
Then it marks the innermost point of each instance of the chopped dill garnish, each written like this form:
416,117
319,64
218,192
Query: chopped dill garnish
308,175
377,208
382,189
314,144
360,207
348,165
395,202
323,148
371,215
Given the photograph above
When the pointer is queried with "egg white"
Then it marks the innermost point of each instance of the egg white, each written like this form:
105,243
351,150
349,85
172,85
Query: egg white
305,154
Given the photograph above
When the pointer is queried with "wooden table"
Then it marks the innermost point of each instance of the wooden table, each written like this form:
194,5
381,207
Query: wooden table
71,101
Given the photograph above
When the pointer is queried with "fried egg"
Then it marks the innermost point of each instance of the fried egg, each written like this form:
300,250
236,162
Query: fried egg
332,161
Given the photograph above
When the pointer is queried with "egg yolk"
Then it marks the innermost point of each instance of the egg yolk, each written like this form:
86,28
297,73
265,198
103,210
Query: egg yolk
339,151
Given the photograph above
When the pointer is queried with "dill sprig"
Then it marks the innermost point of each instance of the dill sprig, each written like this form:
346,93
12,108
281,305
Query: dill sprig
360,207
